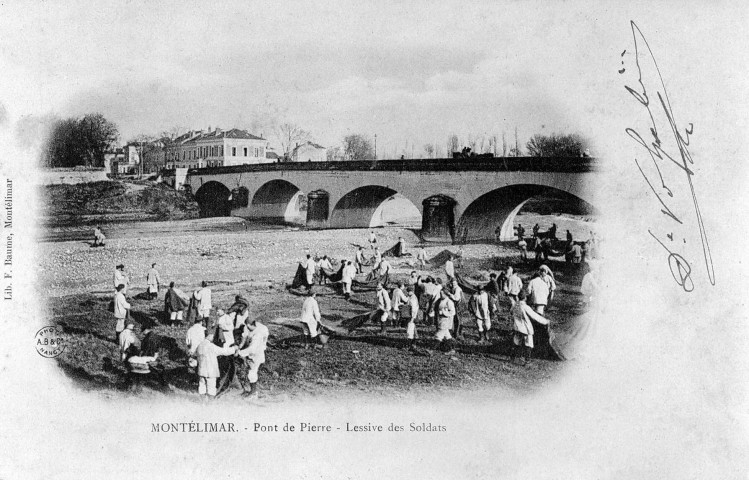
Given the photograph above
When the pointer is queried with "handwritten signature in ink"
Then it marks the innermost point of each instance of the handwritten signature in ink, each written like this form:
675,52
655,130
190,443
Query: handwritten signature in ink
657,150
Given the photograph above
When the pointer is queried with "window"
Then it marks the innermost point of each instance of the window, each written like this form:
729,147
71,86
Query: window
233,151
245,151
256,152
221,151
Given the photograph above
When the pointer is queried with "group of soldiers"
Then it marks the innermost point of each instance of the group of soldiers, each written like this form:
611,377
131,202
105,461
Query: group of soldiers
233,332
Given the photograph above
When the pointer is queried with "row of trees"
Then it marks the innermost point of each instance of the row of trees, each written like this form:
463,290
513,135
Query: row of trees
79,141
359,147
84,140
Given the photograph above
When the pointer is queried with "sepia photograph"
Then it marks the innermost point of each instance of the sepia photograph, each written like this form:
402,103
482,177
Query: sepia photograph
374,240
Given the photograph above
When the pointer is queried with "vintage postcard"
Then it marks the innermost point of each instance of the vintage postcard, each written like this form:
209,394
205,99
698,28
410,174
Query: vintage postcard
373,240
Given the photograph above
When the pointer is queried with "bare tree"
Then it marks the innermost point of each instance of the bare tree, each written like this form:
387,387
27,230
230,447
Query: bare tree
429,150
290,134
334,154
144,144
453,144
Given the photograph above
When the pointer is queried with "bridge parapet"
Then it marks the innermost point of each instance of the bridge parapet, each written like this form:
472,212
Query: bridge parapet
495,164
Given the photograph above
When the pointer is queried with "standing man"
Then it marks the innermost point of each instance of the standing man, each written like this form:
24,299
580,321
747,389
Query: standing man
401,250
523,246
360,260
549,279
450,268
383,306
399,299
385,267
479,307
514,285
121,310
539,296
589,287
421,258
372,239
413,313
538,292
203,297
174,304
207,354
377,258
456,295
310,318
225,326
309,271
577,254
154,281
120,278
347,278
323,266
252,350
523,318
445,315
194,336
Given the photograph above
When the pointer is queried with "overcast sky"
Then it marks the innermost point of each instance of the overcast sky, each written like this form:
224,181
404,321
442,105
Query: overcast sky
410,74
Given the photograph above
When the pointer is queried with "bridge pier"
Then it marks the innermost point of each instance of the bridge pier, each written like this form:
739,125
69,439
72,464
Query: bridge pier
318,206
438,218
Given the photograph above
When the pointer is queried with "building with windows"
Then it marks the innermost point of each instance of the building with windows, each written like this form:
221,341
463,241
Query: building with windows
154,155
216,148
308,152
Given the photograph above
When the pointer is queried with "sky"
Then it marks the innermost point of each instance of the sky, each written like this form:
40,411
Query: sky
410,74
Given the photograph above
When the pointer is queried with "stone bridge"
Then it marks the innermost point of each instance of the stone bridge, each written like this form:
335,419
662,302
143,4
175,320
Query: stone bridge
462,199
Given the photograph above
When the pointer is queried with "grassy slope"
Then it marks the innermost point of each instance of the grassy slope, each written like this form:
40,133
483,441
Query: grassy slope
84,202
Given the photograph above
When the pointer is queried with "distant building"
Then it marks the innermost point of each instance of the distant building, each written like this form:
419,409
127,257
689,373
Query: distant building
215,148
113,159
308,152
272,156
182,152
154,155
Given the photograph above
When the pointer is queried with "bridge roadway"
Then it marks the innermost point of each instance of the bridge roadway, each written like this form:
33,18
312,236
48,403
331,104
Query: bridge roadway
463,199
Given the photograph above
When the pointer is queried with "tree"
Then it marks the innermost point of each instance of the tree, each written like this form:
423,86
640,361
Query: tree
333,154
289,135
80,141
358,147
429,150
97,135
556,145
453,144
146,147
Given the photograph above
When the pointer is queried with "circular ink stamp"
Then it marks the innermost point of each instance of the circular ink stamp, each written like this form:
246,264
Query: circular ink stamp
49,342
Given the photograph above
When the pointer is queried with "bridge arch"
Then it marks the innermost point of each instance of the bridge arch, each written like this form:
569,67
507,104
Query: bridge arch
279,201
499,207
213,199
366,207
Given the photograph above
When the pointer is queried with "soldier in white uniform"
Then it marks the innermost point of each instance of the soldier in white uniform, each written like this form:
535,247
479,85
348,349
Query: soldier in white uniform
252,350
